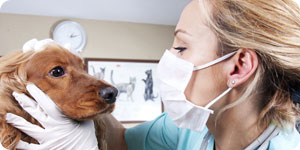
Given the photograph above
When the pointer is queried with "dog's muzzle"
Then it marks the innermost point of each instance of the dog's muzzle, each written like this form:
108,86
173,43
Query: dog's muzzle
109,94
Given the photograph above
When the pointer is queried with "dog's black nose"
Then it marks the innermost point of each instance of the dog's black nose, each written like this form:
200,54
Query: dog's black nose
109,94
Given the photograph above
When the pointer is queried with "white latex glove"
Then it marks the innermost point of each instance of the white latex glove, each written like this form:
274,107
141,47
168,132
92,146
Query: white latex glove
2,148
59,131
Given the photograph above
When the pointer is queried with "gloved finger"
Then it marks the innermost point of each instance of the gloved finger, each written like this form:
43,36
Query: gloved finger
31,107
44,101
26,146
20,123
1,147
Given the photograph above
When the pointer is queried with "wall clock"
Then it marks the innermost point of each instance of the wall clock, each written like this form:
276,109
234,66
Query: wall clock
70,32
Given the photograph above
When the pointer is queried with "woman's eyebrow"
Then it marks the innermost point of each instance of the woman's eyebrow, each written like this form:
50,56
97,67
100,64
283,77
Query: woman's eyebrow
182,31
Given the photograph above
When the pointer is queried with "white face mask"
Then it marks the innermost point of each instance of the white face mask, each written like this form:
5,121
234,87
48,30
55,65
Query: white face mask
174,75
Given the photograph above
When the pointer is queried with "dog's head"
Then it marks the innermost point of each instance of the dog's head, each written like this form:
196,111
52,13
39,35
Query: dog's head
61,75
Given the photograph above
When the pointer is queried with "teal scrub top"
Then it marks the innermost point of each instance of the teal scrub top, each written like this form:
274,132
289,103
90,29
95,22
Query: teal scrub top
163,134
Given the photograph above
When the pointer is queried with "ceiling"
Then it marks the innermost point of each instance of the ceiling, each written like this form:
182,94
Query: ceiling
164,12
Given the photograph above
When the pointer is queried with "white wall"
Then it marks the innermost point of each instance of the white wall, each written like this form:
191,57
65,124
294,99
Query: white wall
105,39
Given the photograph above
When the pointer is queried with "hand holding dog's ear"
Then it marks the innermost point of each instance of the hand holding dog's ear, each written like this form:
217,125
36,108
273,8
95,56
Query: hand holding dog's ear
59,131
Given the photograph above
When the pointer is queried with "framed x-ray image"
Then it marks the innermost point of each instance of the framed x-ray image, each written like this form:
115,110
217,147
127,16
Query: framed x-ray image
138,99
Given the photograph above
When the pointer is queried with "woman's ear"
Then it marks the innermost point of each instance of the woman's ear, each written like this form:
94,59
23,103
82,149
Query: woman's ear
242,66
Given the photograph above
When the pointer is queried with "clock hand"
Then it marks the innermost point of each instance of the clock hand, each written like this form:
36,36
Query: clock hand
72,35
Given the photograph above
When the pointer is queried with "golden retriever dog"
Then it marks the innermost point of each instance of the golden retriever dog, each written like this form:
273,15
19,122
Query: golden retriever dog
61,75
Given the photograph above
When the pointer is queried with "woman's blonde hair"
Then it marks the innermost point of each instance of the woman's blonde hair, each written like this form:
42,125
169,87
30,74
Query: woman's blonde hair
272,29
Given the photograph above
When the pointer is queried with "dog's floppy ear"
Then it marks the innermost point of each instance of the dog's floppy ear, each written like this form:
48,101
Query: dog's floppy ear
12,74
12,78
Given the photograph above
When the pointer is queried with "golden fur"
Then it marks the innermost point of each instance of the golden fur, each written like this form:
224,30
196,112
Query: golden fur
75,93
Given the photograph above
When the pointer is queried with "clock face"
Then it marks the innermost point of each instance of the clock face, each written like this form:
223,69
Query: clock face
70,32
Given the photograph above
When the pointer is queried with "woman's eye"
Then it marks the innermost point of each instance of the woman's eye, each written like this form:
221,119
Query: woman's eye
180,49
57,71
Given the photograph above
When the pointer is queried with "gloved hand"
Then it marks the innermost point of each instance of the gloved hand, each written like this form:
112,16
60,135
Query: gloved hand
59,131
2,148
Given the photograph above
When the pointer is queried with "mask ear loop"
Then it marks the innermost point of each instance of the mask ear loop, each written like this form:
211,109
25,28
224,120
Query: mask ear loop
210,64
218,98
215,61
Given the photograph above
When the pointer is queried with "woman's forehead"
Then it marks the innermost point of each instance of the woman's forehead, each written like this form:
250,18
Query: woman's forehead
192,20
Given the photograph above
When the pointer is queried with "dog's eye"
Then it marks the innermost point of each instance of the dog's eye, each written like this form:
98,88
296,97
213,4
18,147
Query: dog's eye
57,71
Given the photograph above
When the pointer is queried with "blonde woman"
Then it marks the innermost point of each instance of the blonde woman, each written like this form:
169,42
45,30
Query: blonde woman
229,82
